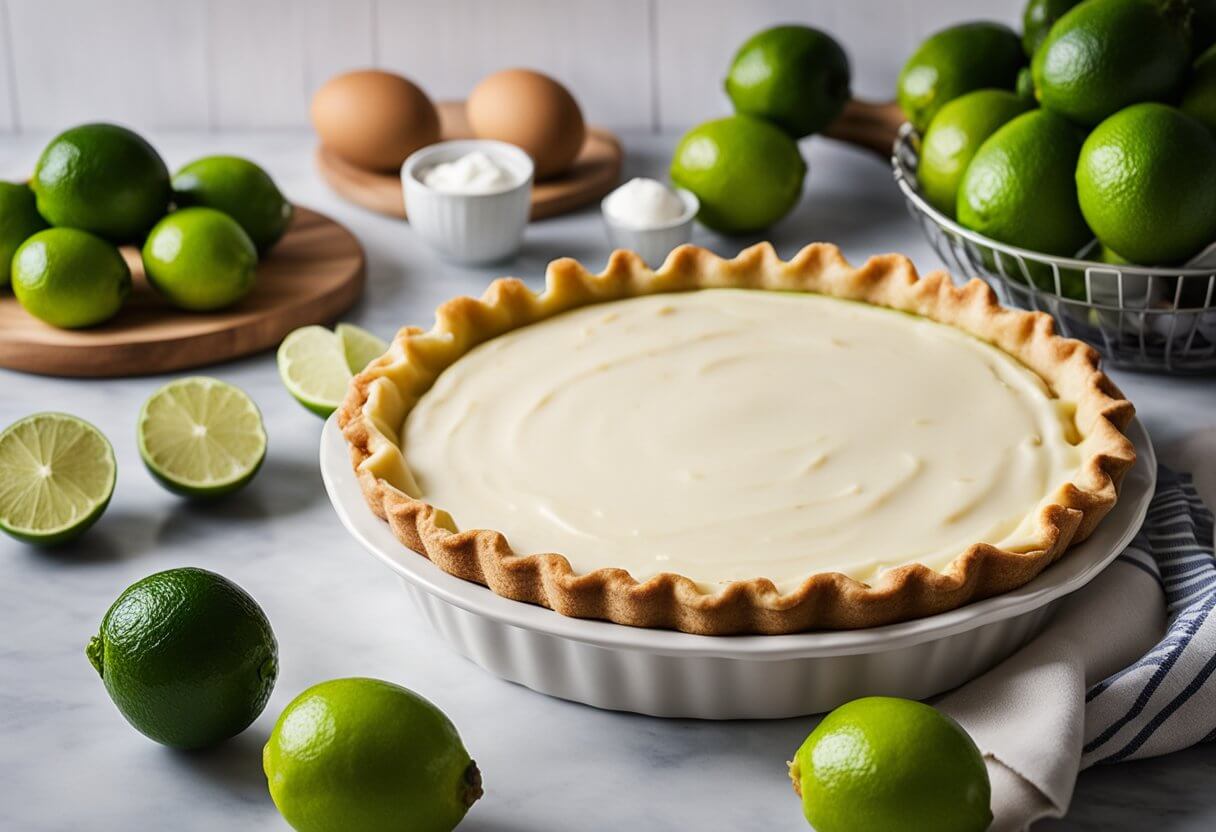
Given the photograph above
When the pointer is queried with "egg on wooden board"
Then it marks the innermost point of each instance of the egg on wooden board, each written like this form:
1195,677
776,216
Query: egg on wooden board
531,111
374,119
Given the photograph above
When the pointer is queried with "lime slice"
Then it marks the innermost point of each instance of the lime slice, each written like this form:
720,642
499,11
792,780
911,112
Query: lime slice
201,437
313,366
359,346
56,477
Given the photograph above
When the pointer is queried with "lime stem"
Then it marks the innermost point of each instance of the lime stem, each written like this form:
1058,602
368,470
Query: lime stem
95,651
472,784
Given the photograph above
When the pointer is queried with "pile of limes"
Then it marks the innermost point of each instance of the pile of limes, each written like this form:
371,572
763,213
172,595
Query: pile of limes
1098,121
98,186
785,83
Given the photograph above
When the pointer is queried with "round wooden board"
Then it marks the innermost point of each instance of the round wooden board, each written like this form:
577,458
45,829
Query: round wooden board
595,172
313,275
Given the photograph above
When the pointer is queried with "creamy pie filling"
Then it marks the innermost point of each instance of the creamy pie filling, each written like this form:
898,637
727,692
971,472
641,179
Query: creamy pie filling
734,434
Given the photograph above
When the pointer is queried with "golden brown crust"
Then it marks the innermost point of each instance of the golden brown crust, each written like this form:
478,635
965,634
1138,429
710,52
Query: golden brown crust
381,396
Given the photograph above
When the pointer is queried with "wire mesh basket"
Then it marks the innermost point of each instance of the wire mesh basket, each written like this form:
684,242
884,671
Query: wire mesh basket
1140,318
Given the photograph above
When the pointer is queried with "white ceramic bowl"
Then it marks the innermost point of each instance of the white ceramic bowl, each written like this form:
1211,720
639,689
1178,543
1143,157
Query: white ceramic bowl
654,244
469,228
672,674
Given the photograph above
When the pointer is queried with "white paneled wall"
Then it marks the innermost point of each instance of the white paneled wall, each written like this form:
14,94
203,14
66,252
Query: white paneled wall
247,64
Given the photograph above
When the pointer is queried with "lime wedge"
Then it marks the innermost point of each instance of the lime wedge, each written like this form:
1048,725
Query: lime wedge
201,437
359,346
56,477
313,366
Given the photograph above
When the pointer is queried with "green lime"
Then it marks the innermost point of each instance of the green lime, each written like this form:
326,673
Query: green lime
794,76
359,346
368,756
200,259
19,220
1019,188
1101,57
1199,97
69,278
957,60
953,137
1147,184
102,178
1025,86
881,763
1037,19
240,189
746,172
313,367
58,473
201,437
187,656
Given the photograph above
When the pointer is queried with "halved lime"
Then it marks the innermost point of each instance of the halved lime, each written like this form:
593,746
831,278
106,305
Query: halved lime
57,474
313,365
359,346
201,437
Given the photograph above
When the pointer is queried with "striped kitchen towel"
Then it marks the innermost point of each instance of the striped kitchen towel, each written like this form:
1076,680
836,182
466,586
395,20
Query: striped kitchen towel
1124,669
1167,699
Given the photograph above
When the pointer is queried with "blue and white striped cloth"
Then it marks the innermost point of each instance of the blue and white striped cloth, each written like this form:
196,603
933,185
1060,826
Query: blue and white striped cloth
1166,700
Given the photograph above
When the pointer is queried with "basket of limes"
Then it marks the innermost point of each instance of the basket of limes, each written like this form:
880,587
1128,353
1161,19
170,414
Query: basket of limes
1074,169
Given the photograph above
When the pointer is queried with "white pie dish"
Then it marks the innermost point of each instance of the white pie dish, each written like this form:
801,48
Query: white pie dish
673,674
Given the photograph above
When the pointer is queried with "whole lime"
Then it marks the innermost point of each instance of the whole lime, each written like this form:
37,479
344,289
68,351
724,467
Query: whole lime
1199,97
1101,57
102,178
187,656
957,60
200,259
746,172
1146,180
368,756
70,278
239,188
953,137
794,76
1019,189
1037,19
881,763
19,220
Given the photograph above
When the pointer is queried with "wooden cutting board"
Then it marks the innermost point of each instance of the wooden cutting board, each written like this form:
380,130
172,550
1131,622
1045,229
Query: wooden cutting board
595,172
313,275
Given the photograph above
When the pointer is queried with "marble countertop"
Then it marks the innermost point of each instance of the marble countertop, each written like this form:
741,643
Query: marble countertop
69,761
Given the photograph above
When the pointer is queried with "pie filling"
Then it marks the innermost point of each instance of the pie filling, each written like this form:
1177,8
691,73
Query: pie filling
731,434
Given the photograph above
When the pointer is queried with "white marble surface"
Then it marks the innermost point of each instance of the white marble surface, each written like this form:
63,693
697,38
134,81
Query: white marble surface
68,761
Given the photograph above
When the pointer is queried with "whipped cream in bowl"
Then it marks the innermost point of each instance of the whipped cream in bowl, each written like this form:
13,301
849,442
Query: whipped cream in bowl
649,217
469,200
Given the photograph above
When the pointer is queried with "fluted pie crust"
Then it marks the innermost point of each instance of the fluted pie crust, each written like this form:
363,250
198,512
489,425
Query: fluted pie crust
380,398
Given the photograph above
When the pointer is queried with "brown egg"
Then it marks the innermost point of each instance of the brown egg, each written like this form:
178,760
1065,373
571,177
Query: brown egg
532,111
374,119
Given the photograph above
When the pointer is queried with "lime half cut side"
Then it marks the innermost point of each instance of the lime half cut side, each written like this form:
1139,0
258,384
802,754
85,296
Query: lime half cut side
201,437
57,475
359,346
313,367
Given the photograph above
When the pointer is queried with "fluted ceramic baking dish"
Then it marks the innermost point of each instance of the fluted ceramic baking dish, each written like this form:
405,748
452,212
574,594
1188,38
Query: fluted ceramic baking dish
671,674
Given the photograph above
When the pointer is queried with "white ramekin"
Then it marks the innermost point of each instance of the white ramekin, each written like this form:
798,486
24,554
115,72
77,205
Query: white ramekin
654,244
670,674
469,228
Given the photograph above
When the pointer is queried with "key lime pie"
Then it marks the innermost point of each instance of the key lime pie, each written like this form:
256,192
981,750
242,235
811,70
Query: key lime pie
739,446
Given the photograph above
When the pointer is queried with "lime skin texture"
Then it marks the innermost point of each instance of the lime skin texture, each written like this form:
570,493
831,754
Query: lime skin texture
70,279
240,189
187,656
102,178
366,755
200,259
880,763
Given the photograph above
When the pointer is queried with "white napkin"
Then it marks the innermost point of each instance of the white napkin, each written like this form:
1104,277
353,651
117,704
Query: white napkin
1118,673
